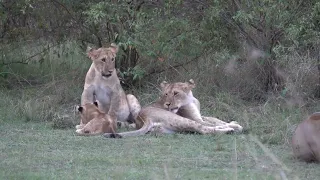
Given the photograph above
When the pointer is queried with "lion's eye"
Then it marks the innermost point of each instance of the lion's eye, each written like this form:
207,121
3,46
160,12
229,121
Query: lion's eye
103,59
166,94
175,93
112,59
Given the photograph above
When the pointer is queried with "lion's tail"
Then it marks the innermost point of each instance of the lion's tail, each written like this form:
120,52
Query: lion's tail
147,126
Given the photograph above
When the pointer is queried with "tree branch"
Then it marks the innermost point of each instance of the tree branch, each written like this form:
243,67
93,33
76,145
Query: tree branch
154,71
16,62
26,61
63,6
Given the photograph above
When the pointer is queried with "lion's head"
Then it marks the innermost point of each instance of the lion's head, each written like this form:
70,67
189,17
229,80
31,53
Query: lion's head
88,111
176,95
104,59
95,121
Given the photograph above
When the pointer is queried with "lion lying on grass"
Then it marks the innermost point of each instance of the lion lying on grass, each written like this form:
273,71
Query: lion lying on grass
306,139
94,122
177,110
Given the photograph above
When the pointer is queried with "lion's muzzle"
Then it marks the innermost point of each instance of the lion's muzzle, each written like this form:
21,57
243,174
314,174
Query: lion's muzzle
106,74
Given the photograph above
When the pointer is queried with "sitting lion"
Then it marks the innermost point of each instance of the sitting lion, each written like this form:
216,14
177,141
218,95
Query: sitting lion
306,139
177,110
103,85
94,122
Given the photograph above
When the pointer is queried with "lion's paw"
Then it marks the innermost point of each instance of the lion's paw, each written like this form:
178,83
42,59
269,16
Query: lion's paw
233,122
223,129
236,127
79,131
79,126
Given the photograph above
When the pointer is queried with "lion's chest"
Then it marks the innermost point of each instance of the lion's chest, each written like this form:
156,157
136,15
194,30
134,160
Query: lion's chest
103,95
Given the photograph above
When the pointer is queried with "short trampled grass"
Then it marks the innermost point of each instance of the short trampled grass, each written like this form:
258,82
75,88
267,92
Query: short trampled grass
36,151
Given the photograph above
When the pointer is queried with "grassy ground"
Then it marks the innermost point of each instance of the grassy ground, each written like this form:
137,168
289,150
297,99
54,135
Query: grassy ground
37,143
36,151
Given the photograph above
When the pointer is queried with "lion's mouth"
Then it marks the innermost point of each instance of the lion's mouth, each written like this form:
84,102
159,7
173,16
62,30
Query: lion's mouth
106,75
174,110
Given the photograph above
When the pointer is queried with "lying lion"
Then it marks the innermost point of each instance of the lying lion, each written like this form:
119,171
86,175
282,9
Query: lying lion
306,139
94,122
177,110
103,85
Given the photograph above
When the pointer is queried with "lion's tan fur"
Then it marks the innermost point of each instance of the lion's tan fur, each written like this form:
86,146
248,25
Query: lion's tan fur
306,139
102,84
94,122
177,110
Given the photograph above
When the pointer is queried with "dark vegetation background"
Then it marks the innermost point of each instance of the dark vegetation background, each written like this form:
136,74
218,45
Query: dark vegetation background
256,62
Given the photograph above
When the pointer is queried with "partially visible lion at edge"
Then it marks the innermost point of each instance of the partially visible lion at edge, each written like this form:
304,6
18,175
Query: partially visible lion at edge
306,139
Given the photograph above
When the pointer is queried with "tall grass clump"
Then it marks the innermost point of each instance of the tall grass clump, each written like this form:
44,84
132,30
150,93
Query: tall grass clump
47,79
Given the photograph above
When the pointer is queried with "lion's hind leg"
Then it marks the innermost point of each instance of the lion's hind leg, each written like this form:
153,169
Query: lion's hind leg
134,105
134,109
159,128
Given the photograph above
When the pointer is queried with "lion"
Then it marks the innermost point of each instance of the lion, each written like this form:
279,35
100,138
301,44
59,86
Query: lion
187,105
95,122
103,85
177,110
306,139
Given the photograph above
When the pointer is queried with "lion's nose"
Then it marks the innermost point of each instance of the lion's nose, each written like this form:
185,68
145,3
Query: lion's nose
167,104
110,71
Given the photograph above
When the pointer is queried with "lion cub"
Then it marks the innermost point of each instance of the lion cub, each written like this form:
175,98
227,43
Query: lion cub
306,139
94,122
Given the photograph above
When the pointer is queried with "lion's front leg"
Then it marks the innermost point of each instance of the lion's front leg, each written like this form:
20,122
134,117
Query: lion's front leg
87,95
181,124
218,122
202,129
214,120
235,126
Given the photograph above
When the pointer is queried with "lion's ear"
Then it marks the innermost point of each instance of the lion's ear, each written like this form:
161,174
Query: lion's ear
95,103
93,53
114,48
80,109
164,84
191,84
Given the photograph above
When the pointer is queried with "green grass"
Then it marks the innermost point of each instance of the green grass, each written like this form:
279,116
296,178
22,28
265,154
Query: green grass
36,151
32,148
